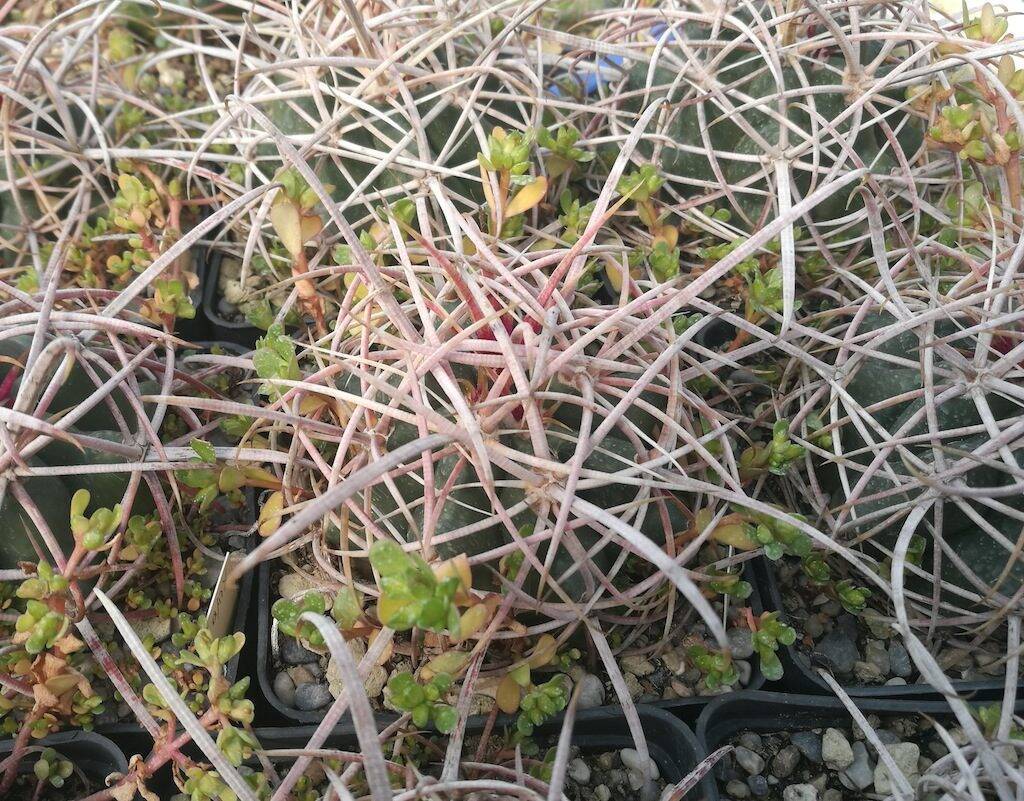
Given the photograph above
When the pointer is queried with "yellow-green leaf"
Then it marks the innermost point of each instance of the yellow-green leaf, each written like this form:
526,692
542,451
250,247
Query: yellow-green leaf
528,197
287,222
270,513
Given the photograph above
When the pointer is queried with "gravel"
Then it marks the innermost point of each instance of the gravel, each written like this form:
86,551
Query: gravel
800,792
836,750
310,697
293,652
809,744
750,761
284,688
840,651
785,761
860,775
591,692
905,755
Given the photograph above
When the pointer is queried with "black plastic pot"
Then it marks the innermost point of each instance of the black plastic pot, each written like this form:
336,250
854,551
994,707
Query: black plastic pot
686,709
236,331
766,712
96,756
672,744
801,677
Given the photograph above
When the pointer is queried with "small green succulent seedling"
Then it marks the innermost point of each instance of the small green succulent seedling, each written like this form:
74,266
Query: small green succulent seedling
663,261
212,652
771,632
574,217
822,439
988,716
411,595
45,583
223,479
717,668
274,359
641,186
52,768
141,536
564,155
854,599
778,537
540,703
92,532
816,568
722,582
507,153
202,784
170,301
423,701
288,614
41,626
777,456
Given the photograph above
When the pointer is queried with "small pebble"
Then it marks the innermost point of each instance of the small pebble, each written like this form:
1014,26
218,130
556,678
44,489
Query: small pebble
758,786
631,759
860,774
750,761
751,740
284,688
785,761
309,697
800,792
591,692
836,750
808,743
899,661
602,793
295,653
579,771
741,642
737,789
637,665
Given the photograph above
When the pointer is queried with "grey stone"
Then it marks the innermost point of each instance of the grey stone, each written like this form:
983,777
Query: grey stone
840,650
637,665
899,661
860,774
905,755
750,740
741,642
579,771
814,627
591,692
877,654
896,681
887,737
866,672
758,786
836,750
750,761
809,744
631,759
309,697
785,761
284,688
295,653
737,789
832,794
602,793
800,792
